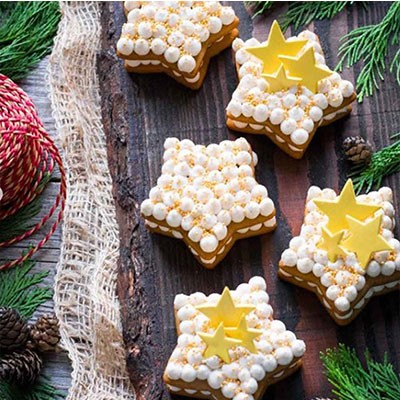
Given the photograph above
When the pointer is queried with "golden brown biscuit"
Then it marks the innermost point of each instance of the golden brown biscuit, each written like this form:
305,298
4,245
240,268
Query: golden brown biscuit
286,100
208,197
177,38
254,350
346,251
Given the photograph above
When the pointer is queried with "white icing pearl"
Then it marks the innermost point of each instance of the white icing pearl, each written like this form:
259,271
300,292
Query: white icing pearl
130,4
185,313
269,364
148,11
187,327
187,27
298,347
266,207
209,243
346,88
257,283
159,211
342,277
145,30
161,15
195,234
250,386
180,300
284,355
320,101
234,108
243,396
220,231
315,113
260,113
373,269
289,258
202,32
335,98
204,195
237,214
158,46
215,379
187,204
277,326
142,47
277,116
159,31
360,283
125,46
288,126
351,293
172,54
257,372
244,375
342,304
243,158
224,217
174,219
326,279
173,371
173,20
170,143
296,113
259,191
188,373
299,136
247,110
186,64
332,293
318,270
386,193
289,100
237,44
134,15
308,125
192,46
208,221
229,390
146,208
129,29
214,24
213,206
305,265
296,242
227,15
388,268
202,372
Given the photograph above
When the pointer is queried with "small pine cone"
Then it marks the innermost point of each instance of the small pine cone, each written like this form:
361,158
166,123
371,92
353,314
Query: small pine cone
357,150
14,331
45,335
21,367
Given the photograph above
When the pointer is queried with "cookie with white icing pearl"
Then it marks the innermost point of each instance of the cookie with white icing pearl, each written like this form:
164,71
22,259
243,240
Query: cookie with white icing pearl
290,116
246,376
208,197
344,287
177,38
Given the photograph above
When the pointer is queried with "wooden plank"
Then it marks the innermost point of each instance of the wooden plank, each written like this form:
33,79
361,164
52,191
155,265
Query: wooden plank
139,112
57,366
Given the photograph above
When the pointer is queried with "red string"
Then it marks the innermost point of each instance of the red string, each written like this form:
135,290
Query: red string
27,155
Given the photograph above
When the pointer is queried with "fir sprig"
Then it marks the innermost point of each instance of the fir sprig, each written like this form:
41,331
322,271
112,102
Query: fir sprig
371,44
352,381
259,7
19,289
26,35
384,162
395,66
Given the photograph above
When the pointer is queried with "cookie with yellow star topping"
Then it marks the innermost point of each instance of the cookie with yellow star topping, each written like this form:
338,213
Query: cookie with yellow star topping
286,91
346,251
177,38
229,346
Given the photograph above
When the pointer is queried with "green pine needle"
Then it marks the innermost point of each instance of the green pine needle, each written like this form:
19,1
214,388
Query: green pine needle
301,13
395,66
259,7
384,162
371,44
41,390
26,35
352,381
19,290
21,221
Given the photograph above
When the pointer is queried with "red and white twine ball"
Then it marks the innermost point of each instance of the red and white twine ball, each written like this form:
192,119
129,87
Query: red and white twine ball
27,156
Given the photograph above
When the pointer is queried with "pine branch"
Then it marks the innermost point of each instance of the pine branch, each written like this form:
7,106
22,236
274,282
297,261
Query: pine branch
301,13
384,162
19,290
370,44
351,381
395,66
259,7
26,35
41,390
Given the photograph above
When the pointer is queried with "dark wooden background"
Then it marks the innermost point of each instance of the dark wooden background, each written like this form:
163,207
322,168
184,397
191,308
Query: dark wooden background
140,111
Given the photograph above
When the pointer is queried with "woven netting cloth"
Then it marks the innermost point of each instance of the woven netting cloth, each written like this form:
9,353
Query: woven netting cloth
85,289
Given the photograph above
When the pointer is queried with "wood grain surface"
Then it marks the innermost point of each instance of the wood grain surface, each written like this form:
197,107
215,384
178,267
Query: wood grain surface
139,112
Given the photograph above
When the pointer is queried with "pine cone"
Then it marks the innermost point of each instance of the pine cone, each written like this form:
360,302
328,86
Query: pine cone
21,367
45,335
14,331
357,150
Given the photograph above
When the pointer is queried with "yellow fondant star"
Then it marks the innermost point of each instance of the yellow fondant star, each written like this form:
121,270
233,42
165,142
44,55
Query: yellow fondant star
345,205
305,67
275,46
225,311
245,334
280,80
330,243
218,344
365,240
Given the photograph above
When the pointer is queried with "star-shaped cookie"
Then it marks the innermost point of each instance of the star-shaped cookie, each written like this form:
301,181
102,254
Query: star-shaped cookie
285,90
214,361
175,37
208,197
346,251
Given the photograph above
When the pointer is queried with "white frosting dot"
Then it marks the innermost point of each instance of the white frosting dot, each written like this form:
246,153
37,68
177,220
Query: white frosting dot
188,373
195,234
192,46
172,54
315,113
288,126
342,304
158,46
284,355
125,46
299,136
214,24
215,379
145,30
186,64
142,47
209,243
258,283
260,113
227,15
